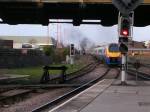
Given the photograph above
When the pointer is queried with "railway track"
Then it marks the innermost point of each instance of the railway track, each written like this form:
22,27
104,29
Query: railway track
19,94
88,68
73,92
13,95
9,93
142,75
50,88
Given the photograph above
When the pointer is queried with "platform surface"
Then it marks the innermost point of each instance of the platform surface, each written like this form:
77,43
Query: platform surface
131,98
110,96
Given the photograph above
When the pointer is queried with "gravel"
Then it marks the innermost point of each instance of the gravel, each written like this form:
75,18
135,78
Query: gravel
38,100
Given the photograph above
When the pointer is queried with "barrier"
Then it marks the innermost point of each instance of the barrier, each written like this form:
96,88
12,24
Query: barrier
46,76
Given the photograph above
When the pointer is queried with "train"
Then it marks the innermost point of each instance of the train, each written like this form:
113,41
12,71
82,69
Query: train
110,54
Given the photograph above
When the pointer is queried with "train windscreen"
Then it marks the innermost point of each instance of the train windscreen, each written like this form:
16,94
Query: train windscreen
113,48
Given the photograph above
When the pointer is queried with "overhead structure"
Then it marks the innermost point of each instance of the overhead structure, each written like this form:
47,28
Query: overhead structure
126,6
41,11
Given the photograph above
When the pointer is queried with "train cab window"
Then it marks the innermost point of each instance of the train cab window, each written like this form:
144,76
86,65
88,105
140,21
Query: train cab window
113,48
100,51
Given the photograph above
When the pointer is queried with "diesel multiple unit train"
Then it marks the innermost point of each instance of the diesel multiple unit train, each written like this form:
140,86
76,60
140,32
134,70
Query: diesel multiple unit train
109,54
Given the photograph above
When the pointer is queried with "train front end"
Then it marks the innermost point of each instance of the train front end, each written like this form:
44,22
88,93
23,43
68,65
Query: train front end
112,55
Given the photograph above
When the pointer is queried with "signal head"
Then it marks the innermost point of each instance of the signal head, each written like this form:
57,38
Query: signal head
123,48
125,27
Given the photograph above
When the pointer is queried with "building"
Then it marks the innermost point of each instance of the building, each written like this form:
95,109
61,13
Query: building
6,44
19,41
147,44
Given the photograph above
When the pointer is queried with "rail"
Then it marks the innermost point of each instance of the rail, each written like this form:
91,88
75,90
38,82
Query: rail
65,77
69,94
139,74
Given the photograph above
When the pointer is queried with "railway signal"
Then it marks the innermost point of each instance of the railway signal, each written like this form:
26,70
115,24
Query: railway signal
123,48
126,6
72,51
125,27
125,32
125,23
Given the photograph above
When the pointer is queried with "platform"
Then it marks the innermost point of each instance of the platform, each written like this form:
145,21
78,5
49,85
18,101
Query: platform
110,96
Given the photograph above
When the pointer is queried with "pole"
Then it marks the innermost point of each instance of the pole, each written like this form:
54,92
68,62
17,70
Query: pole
136,75
71,59
123,70
48,35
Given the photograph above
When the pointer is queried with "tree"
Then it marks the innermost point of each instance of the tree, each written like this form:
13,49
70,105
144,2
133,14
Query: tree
32,41
48,50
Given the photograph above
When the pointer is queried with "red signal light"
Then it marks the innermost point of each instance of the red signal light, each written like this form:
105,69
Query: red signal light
125,32
125,27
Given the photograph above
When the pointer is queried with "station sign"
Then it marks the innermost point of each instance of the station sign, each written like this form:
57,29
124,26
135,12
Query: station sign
126,6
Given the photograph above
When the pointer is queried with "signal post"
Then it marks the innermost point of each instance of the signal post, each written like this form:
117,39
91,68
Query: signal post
123,47
72,53
124,34
125,21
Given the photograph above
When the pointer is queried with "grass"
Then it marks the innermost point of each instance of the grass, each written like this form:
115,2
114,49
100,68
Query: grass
35,73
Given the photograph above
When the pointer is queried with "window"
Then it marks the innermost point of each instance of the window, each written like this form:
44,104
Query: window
113,48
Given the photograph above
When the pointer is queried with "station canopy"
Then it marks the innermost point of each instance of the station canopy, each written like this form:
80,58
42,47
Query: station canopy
41,11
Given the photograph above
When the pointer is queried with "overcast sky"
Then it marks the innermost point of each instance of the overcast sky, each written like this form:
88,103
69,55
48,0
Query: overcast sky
71,34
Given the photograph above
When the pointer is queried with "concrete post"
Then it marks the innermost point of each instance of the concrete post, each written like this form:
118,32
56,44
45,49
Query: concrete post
123,70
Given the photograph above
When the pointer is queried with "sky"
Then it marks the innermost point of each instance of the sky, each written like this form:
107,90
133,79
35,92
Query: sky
68,33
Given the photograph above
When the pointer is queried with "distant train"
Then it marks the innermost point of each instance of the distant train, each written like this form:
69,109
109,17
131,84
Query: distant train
109,54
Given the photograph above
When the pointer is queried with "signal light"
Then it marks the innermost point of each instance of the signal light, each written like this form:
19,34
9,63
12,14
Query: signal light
125,27
125,32
123,48
72,49
123,39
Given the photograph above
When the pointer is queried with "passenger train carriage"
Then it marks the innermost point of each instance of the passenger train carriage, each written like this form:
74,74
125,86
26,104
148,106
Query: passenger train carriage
109,53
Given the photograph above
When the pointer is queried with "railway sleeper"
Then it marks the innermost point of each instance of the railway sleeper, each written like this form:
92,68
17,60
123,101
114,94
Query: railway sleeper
12,96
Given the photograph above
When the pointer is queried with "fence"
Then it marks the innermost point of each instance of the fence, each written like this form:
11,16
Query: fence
12,58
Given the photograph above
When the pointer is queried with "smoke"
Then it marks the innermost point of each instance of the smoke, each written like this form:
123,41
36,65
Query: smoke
75,36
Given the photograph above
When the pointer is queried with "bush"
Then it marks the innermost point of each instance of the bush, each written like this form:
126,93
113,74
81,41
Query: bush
48,50
57,54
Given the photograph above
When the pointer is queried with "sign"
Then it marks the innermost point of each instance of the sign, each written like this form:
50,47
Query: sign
126,6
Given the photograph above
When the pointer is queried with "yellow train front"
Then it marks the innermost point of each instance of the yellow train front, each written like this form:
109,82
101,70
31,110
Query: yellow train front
112,56
109,54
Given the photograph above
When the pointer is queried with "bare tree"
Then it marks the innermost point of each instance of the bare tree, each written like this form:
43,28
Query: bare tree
85,43
32,41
